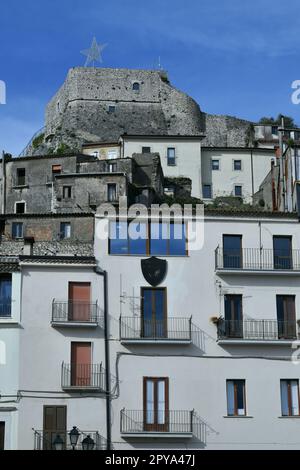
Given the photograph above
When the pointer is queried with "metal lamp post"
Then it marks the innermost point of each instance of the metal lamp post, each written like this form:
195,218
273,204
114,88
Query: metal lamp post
74,435
88,443
58,443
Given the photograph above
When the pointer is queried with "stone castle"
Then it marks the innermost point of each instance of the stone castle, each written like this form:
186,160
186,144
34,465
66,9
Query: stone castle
101,104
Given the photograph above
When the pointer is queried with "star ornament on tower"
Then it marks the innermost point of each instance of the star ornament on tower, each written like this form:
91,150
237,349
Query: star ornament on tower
93,54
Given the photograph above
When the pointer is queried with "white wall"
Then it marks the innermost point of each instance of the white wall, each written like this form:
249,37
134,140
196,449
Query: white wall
44,348
188,157
224,179
9,365
198,372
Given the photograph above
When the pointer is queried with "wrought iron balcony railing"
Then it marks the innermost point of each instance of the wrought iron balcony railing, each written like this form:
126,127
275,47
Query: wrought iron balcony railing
5,309
74,312
44,440
257,259
257,329
169,329
83,376
163,421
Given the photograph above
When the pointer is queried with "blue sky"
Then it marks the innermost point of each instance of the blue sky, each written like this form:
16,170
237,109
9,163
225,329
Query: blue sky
233,57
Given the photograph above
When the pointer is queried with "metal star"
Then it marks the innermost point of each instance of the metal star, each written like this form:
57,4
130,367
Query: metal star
94,52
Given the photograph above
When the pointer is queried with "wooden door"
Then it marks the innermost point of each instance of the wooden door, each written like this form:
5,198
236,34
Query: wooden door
79,301
55,423
81,367
156,404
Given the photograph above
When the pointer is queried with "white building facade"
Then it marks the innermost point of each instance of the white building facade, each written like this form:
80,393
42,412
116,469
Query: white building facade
204,358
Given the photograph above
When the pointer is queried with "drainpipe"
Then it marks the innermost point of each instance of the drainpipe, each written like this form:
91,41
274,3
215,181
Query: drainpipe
252,176
3,205
103,273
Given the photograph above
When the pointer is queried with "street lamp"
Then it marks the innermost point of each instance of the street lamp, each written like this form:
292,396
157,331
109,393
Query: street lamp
58,443
88,443
74,435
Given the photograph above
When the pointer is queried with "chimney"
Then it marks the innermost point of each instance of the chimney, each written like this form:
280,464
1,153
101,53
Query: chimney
28,246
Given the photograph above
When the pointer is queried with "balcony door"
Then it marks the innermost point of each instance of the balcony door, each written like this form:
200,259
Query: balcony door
154,313
156,404
55,423
286,316
232,251
2,434
233,316
79,301
282,248
81,358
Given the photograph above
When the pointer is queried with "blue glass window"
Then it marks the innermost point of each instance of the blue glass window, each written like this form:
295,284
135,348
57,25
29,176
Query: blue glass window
137,238
232,251
177,239
282,252
118,238
159,238
17,230
5,296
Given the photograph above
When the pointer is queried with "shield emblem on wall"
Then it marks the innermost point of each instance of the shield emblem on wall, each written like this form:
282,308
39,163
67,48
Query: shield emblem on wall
154,270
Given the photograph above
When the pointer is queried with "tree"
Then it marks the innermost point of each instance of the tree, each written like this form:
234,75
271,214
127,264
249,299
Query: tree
288,121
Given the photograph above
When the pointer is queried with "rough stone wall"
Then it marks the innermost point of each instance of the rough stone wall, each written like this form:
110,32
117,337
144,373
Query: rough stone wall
78,113
148,171
226,131
47,229
36,193
15,248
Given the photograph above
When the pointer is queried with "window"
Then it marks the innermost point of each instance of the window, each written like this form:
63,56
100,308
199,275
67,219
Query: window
124,239
112,154
112,167
297,135
20,208
56,169
282,247
238,191
17,230
146,149
237,165
21,181
171,156
2,434
111,109
236,398
274,130
286,316
136,86
54,423
5,295
289,390
156,403
215,164
67,192
154,313
233,316
207,193
133,238
232,251
65,230
111,192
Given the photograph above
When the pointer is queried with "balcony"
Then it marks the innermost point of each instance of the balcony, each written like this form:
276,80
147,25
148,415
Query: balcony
257,331
82,377
75,313
174,330
43,440
257,260
5,310
168,424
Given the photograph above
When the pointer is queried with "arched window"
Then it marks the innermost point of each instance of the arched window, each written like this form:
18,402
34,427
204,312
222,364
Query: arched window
136,86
